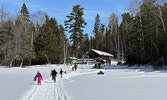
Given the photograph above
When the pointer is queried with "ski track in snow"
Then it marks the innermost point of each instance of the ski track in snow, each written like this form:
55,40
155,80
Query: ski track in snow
48,90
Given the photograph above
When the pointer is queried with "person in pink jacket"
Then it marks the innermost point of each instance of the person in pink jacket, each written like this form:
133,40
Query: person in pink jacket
39,76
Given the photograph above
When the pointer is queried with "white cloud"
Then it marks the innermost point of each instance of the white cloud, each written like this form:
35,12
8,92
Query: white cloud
29,5
91,14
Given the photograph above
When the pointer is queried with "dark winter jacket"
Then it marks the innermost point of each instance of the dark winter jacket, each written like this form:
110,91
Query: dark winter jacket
54,73
61,71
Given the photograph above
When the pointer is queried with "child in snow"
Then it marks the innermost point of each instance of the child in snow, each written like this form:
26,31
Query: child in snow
73,68
61,72
39,76
95,66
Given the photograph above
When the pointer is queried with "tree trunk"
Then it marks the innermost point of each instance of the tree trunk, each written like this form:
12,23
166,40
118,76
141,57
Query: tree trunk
11,62
21,64
32,42
161,18
47,59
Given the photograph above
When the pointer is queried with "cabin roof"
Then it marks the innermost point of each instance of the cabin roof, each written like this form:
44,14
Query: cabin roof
102,53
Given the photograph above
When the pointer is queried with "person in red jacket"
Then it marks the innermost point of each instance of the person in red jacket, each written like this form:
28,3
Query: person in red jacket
73,68
39,76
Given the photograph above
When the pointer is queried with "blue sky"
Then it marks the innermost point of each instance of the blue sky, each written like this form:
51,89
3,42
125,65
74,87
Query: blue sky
61,8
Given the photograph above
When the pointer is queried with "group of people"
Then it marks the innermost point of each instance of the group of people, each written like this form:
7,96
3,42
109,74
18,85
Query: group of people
53,75
108,62
103,63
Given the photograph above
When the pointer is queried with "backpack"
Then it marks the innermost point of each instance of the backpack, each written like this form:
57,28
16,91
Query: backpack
35,78
54,73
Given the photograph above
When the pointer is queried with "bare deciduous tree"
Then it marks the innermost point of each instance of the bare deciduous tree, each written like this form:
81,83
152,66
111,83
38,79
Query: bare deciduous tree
39,17
21,42
113,23
160,14
4,14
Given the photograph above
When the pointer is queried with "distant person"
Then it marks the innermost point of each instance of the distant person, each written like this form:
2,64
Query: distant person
99,65
103,62
39,76
61,72
54,75
75,66
106,62
95,66
65,72
109,61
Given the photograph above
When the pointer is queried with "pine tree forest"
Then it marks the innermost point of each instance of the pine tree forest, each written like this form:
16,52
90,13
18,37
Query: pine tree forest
138,36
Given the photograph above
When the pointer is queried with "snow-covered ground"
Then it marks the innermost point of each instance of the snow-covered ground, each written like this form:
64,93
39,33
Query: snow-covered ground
117,83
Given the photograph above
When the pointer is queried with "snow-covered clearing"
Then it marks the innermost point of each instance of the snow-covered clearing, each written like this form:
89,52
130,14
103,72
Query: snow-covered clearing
117,83
50,90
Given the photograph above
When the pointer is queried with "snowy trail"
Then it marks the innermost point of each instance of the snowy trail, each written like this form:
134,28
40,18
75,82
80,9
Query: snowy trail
48,90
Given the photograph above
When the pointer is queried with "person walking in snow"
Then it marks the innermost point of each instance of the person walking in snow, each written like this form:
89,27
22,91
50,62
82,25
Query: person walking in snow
54,75
109,61
39,76
61,72
75,66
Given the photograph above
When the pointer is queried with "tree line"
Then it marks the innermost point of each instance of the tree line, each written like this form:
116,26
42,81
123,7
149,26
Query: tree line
30,39
139,38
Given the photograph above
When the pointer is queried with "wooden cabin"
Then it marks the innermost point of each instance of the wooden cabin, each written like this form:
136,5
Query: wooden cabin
96,54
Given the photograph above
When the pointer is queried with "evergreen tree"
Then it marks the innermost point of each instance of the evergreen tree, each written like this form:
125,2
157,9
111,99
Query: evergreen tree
96,32
62,42
75,25
6,38
49,44
149,23
126,29
85,44
25,12
45,46
108,40
146,37
96,24
102,37
162,35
